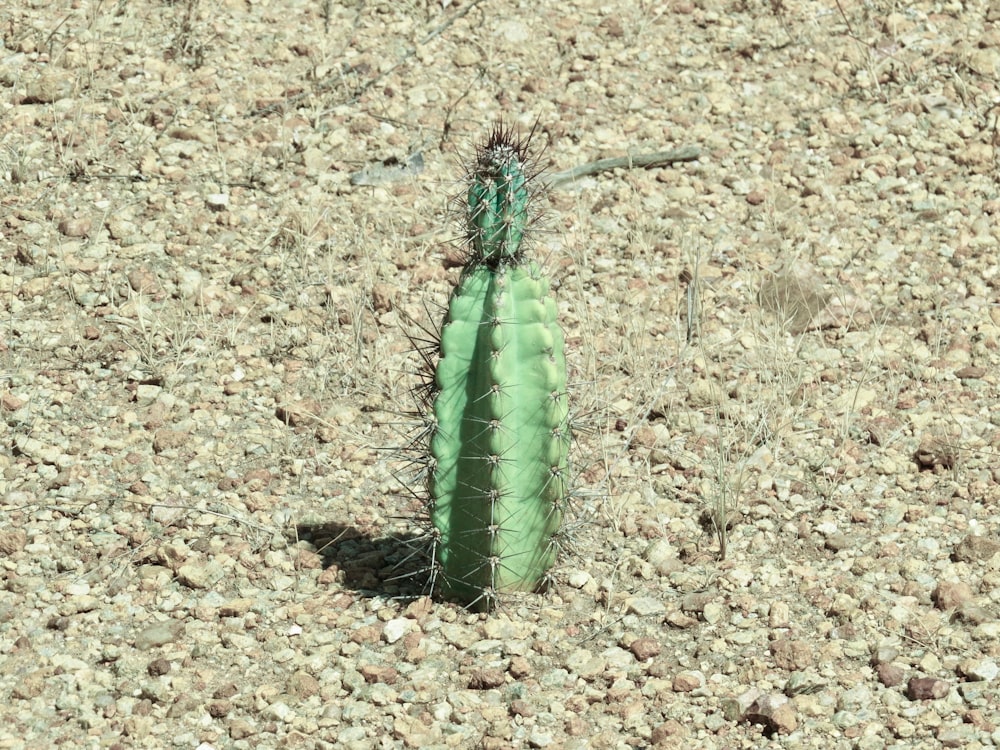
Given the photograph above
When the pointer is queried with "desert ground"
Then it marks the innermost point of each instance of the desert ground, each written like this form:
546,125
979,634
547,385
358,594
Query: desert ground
221,224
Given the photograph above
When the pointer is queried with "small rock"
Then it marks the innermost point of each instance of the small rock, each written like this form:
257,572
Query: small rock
645,648
10,402
644,606
217,201
235,608
951,594
579,578
974,548
50,87
890,674
519,667
466,56
985,670
12,542
837,541
713,612
774,712
778,615
198,575
158,667
962,735
680,620
927,688
667,732
75,227
159,634
592,668
662,555
278,711
792,655
885,654
486,679
520,707
734,709
166,439
685,682
303,685
539,738
971,372
396,628
379,674
144,281
240,729
189,283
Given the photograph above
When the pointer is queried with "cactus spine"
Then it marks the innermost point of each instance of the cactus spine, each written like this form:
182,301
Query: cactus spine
499,447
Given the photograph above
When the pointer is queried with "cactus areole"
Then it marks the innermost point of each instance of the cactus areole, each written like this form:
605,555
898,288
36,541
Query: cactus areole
498,483
498,201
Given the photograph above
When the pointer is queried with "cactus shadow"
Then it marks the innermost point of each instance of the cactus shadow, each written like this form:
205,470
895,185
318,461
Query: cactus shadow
369,565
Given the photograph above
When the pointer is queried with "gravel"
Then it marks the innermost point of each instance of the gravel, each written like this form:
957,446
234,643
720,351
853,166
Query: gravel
785,354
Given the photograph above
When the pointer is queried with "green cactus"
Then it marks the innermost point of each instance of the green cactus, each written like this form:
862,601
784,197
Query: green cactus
500,441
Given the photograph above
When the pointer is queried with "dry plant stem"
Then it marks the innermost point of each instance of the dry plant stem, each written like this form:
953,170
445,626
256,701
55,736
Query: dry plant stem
644,161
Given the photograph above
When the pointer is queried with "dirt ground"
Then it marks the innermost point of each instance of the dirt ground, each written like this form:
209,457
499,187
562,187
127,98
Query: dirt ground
220,220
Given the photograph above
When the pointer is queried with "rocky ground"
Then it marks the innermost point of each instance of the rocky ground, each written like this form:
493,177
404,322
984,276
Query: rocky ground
218,223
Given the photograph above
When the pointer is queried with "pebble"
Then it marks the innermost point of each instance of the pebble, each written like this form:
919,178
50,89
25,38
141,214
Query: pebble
685,682
217,201
890,675
975,548
396,628
200,575
713,613
645,648
927,688
644,606
159,634
775,712
981,669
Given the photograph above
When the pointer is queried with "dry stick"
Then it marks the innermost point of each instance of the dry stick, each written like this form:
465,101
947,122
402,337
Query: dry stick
658,159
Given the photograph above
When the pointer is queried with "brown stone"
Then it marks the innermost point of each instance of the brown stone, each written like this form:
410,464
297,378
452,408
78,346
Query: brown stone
378,673
158,667
774,712
12,542
667,733
486,679
166,439
927,688
791,655
519,707
951,594
218,709
75,227
304,685
519,667
10,402
685,682
645,648
680,620
890,674
975,548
